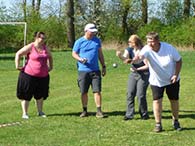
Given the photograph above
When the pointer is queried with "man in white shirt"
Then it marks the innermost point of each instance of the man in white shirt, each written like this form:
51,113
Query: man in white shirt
164,66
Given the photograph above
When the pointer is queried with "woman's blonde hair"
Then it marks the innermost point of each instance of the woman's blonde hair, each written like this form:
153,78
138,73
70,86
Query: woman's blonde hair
135,38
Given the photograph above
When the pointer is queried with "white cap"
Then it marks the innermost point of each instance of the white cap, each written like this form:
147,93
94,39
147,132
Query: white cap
90,27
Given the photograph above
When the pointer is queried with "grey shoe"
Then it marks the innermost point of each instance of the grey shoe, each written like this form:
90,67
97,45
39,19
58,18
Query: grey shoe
100,115
84,114
127,118
176,126
158,128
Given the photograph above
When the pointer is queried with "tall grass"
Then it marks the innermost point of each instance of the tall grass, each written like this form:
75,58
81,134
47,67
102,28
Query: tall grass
63,127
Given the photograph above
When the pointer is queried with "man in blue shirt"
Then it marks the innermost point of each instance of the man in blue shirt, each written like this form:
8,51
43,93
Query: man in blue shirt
87,51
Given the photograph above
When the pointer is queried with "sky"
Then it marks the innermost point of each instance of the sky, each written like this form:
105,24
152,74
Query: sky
8,3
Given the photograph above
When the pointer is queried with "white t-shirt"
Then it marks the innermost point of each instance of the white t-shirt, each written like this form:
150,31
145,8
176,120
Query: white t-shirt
162,64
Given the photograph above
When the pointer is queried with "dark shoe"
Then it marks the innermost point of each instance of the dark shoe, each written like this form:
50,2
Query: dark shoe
127,118
176,126
42,114
145,117
158,128
100,115
84,114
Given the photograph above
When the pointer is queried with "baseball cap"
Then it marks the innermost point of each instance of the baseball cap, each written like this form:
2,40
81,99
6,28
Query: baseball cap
90,27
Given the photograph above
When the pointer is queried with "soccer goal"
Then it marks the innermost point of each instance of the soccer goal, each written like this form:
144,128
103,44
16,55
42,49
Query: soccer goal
24,25
17,23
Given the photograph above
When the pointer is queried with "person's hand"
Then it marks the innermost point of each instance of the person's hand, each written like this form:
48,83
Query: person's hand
20,68
103,71
135,59
173,78
83,60
127,61
133,69
118,53
50,68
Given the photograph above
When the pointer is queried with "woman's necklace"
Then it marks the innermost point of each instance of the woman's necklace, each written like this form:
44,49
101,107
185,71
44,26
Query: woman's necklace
38,48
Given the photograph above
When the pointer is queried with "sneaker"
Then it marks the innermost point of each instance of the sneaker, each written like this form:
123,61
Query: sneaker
176,126
42,114
25,116
145,117
84,114
127,118
158,128
100,115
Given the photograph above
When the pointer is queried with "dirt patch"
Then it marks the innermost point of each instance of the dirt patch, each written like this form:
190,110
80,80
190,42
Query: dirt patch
114,45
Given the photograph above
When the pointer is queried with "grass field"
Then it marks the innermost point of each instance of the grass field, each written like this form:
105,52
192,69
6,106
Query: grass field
63,127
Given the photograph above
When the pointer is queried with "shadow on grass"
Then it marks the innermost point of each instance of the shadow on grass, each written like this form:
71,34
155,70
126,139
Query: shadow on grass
183,129
187,114
107,114
182,115
7,57
113,113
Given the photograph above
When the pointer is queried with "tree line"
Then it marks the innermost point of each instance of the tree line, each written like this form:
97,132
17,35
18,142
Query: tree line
63,20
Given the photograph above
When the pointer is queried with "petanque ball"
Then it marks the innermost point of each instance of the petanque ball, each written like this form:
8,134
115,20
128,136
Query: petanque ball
115,65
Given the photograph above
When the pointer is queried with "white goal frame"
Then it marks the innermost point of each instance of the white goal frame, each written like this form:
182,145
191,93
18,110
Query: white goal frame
17,23
25,31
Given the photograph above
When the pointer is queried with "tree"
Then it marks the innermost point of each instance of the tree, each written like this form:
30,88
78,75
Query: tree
124,18
144,11
36,7
97,12
186,11
33,5
24,9
70,23
172,11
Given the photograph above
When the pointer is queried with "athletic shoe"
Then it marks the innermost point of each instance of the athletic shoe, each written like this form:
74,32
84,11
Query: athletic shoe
100,115
158,128
127,118
145,117
25,116
84,114
42,114
176,126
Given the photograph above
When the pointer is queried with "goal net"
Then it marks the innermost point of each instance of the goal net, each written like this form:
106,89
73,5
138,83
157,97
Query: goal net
8,25
13,36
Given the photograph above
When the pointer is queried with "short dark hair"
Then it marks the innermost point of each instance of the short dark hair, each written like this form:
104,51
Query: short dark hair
153,35
38,34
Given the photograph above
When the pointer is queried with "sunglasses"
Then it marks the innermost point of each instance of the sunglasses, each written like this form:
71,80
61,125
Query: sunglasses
42,37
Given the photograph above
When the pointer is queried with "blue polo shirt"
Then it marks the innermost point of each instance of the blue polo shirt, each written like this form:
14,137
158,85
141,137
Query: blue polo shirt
88,49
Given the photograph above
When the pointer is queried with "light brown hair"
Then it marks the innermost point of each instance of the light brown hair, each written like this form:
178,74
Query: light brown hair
153,36
135,38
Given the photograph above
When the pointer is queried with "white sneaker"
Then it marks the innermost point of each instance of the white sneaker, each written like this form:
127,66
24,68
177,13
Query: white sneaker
42,114
25,116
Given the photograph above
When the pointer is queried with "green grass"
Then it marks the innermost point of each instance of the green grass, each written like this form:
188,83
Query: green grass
63,127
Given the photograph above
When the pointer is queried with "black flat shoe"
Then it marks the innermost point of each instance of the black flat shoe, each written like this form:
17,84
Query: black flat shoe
146,117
